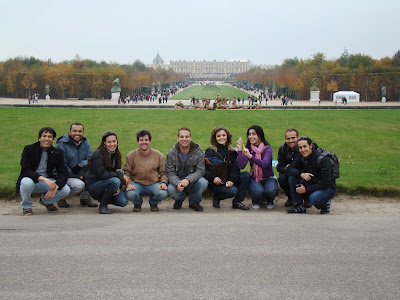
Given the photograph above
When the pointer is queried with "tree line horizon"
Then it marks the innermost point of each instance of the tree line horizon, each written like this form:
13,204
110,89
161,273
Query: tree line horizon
86,78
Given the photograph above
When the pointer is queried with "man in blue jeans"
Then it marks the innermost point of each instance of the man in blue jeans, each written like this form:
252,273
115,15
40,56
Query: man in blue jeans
185,169
144,173
310,179
39,162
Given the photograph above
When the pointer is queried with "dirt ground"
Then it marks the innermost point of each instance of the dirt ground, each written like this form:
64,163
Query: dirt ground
342,204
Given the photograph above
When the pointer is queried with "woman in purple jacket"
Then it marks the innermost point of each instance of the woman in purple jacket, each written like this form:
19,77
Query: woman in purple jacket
259,153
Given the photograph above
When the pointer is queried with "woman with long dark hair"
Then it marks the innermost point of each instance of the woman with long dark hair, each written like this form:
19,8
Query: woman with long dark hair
222,170
259,153
106,177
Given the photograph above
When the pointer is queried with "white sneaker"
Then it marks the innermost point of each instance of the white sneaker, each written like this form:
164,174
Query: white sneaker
255,206
270,205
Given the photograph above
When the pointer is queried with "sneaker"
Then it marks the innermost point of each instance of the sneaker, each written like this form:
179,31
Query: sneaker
239,205
326,209
288,203
307,204
177,204
137,208
297,209
88,202
50,207
154,208
270,205
63,203
196,207
255,206
27,211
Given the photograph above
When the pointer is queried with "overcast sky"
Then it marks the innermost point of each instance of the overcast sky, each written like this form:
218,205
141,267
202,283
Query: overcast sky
263,31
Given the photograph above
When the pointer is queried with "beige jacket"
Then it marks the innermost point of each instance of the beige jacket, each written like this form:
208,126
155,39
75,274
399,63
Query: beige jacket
145,170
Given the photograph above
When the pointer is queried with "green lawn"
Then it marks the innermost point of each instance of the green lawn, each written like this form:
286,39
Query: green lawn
201,91
366,141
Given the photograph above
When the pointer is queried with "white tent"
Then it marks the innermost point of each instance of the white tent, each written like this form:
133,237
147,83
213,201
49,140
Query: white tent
349,95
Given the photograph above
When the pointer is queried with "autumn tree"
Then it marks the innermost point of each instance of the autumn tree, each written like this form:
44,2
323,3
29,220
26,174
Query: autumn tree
28,83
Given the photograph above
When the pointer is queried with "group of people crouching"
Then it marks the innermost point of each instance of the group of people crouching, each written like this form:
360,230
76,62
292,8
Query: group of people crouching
72,168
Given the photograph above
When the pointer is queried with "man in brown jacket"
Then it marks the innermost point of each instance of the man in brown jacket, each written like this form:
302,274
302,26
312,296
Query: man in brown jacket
144,172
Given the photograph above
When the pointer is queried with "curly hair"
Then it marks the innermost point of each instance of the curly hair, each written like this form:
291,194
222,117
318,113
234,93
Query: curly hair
213,138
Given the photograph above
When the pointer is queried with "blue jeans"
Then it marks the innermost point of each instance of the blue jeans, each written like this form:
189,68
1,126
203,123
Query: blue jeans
152,190
221,192
318,198
28,186
267,187
195,190
96,190
245,178
284,183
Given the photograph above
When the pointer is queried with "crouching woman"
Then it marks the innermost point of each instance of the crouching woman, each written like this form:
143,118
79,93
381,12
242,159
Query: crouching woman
310,180
106,176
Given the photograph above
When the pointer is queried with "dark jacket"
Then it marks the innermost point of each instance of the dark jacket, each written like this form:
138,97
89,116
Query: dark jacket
30,160
285,157
98,171
74,154
231,158
322,178
175,164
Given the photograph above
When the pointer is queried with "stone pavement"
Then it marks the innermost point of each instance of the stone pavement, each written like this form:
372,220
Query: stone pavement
217,254
275,104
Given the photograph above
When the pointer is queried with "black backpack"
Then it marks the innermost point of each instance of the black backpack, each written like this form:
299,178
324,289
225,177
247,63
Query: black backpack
332,158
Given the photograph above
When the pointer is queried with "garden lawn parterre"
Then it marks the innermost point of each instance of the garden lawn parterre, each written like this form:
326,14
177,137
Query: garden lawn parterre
366,141
202,91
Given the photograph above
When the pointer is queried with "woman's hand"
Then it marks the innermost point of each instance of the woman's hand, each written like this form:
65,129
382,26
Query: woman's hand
239,144
218,181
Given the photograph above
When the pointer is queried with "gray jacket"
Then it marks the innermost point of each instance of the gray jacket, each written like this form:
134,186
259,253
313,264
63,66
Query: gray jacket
175,164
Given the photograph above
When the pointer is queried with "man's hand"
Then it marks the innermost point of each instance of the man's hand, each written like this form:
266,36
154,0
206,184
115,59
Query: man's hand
182,184
306,176
51,192
163,186
130,187
229,184
116,193
301,189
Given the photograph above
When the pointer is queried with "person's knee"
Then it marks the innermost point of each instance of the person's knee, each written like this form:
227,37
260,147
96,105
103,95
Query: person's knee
203,183
115,183
132,196
27,184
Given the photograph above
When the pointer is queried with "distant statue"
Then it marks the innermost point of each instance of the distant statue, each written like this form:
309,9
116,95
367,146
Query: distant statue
116,87
383,90
314,84
47,90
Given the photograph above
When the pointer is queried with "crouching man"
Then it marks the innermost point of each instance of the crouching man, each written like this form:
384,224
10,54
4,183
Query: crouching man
185,169
310,180
38,163
144,172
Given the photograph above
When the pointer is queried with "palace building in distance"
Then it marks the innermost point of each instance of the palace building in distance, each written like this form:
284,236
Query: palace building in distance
207,70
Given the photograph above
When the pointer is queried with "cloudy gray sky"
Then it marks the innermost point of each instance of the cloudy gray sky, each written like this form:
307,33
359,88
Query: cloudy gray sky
264,31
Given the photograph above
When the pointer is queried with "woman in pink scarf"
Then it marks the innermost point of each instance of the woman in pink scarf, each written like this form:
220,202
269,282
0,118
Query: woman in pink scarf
259,153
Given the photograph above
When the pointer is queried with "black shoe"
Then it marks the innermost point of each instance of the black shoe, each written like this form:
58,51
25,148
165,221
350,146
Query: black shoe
63,203
88,202
288,203
137,208
196,207
326,209
307,204
297,209
239,205
27,211
50,207
104,210
177,204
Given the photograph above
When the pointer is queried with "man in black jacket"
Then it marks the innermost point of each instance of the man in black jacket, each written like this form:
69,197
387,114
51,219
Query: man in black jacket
38,163
310,179
287,153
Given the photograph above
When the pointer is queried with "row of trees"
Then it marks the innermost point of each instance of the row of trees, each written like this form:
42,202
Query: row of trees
350,72
19,77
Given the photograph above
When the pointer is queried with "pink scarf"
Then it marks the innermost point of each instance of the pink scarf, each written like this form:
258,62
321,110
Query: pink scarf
258,172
